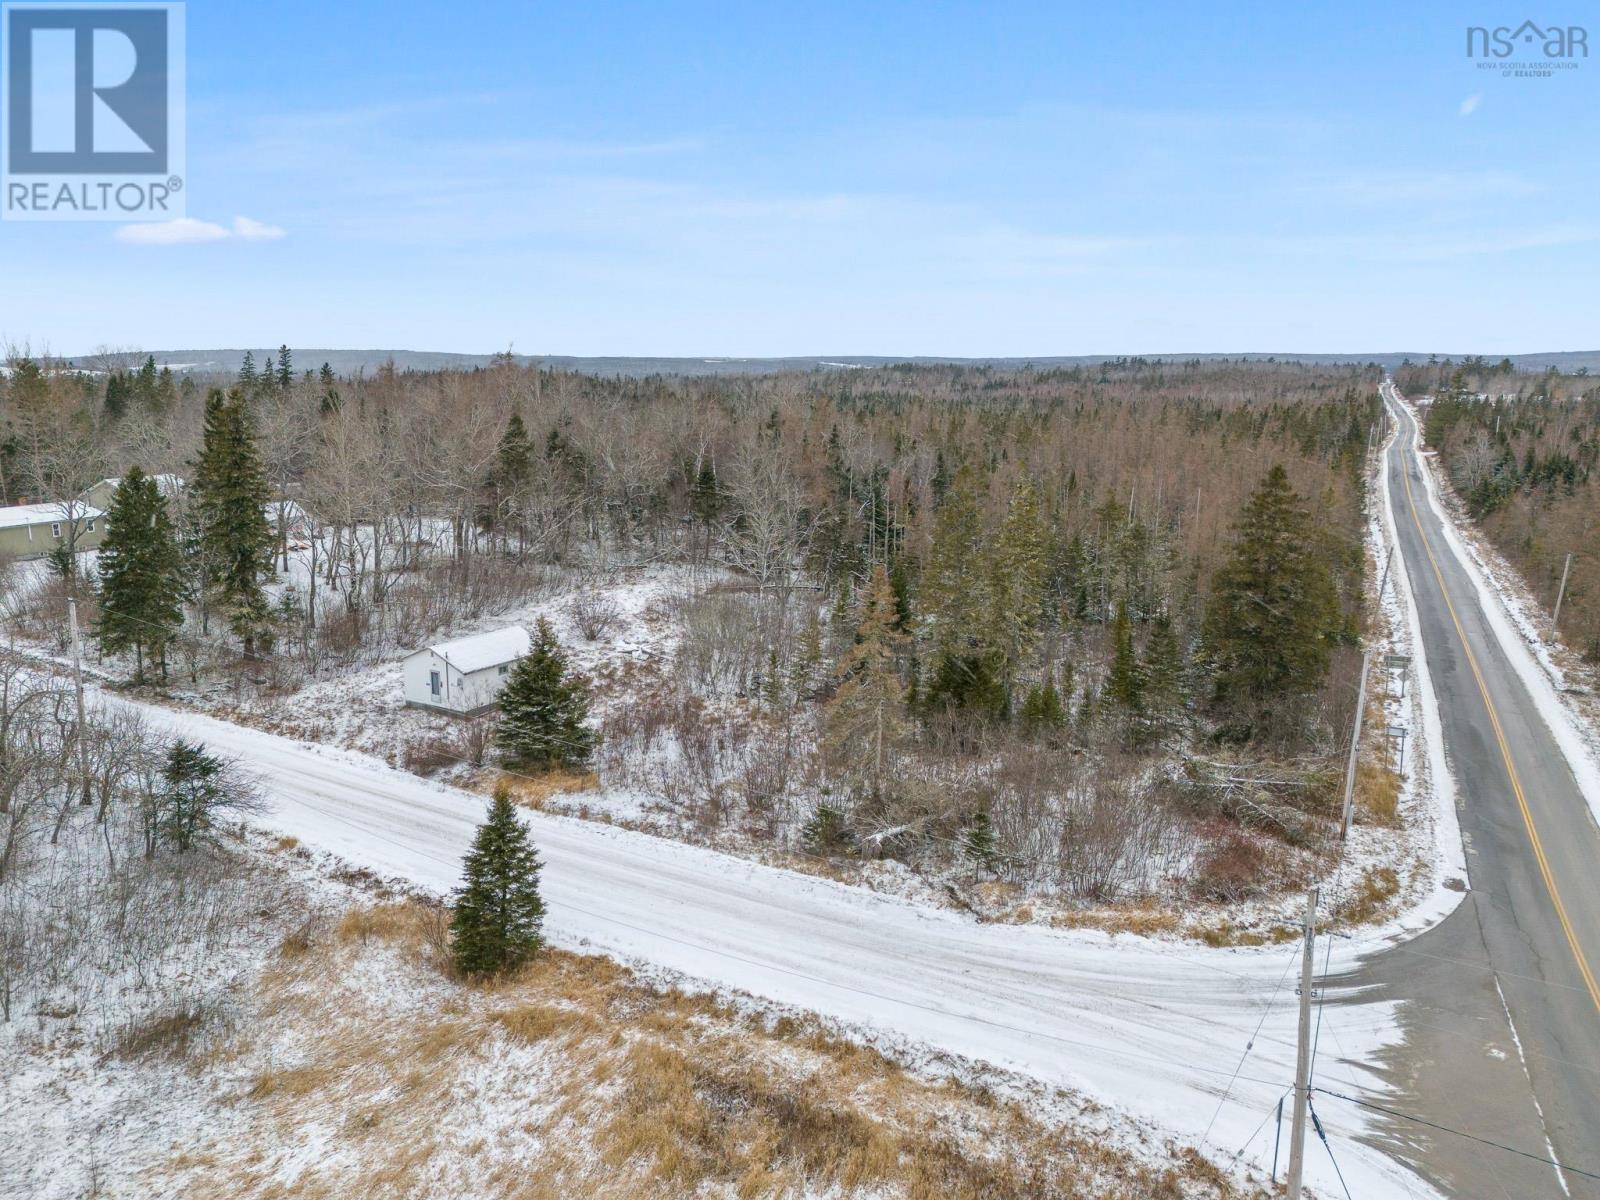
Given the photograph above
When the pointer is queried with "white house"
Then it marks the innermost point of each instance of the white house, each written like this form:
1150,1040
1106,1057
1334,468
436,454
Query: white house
464,676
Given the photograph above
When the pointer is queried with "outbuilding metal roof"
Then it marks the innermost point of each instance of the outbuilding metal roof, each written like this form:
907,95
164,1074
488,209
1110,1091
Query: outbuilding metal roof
482,650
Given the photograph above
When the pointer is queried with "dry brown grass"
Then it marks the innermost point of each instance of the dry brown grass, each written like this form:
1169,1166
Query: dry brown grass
610,1088
1371,898
167,1033
535,791
1146,920
1378,793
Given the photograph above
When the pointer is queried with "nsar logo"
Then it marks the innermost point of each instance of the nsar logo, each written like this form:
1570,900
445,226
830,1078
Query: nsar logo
1552,41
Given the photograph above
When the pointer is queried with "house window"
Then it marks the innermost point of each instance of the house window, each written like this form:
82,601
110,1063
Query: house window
55,529
433,683
89,528
505,668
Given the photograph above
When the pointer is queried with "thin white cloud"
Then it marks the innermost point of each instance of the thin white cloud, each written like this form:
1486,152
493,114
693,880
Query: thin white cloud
1470,104
177,232
256,231
187,230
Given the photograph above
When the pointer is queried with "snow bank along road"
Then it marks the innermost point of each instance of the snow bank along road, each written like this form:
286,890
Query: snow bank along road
1499,1005
1156,1030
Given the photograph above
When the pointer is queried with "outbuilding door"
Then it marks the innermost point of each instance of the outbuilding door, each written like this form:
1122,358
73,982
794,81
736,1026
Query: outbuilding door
433,683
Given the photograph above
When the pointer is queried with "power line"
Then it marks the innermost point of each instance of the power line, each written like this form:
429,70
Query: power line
1328,1146
1250,1044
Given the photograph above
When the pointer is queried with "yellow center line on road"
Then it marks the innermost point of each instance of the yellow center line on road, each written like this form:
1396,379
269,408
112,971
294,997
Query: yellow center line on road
1505,754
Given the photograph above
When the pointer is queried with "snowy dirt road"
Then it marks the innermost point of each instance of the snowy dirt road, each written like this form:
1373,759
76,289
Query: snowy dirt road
1157,1030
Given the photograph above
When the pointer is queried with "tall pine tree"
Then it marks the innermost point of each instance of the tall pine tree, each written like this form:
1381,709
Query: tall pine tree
1274,612
496,925
231,496
1016,581
866,720
955,603
141,574
543,707
1125,683
1165,685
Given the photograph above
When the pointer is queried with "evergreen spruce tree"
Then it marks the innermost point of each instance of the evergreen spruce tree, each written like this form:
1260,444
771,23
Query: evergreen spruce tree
1125,680
236,541
141,574
117,391
1016,581
145,384
1165,686
1274,612
191,792
1043,711
706,500
827,832
166,390
543,707
496,924
805,666
978,845
966,665
866,719
285,369
247,370
512,474
329,385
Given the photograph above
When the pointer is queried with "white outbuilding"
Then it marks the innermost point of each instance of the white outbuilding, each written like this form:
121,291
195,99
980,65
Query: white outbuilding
464,676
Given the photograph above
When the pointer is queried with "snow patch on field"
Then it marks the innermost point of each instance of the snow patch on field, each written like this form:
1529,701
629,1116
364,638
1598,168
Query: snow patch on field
1149,1027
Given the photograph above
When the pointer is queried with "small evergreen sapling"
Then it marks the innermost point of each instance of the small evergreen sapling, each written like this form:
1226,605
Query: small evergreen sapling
978,845
498,917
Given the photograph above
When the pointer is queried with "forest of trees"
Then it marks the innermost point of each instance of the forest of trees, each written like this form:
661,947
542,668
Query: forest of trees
980,613
1522,449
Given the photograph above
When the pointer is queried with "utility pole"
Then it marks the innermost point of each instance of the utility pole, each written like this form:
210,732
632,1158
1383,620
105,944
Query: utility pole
1562,594
1355,747
1302,1064
77,674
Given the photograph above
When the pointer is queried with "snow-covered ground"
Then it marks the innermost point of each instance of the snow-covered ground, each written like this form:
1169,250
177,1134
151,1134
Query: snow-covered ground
1193,1040
340,1054
1198,1041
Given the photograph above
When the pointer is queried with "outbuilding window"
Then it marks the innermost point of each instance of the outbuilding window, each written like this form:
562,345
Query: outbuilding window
89,528
505,668
55,529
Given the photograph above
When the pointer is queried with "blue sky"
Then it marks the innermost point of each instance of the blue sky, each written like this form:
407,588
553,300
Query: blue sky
762,179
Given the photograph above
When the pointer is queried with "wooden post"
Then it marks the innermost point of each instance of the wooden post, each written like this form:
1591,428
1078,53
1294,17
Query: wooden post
1355,747
1561,595
1302,1066
77,674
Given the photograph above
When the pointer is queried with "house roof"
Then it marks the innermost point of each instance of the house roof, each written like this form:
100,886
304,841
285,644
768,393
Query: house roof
484,649
19,515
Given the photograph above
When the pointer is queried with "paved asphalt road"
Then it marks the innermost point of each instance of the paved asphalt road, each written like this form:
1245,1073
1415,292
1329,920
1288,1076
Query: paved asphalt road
1499,1003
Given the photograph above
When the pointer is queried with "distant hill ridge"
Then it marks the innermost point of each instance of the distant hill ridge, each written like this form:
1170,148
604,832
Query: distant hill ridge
349,362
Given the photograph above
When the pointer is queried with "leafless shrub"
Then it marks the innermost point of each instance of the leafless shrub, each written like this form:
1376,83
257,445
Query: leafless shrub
723,650
596,614
1230,869
474,737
